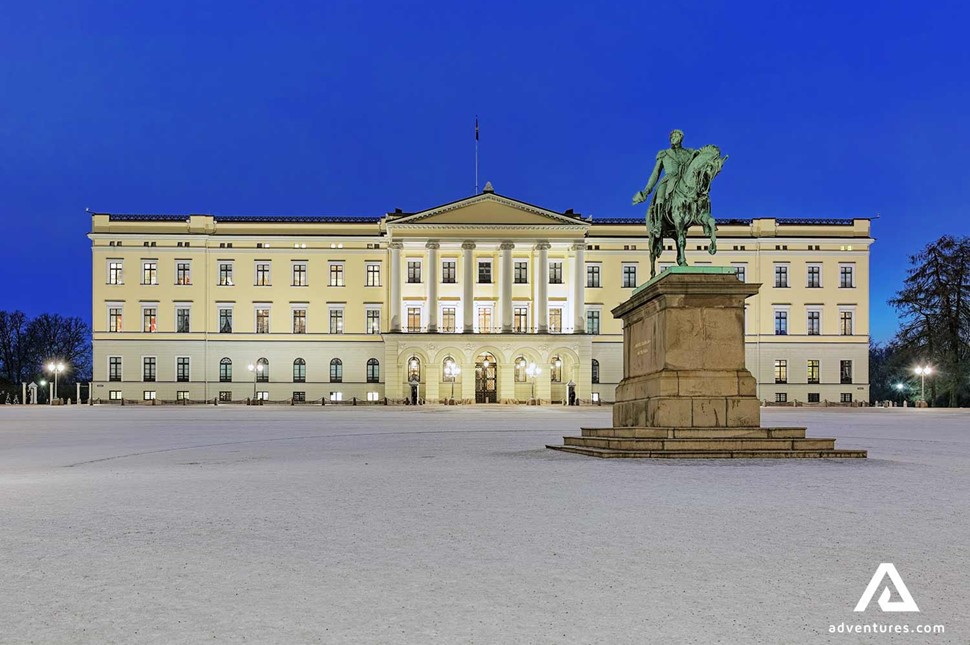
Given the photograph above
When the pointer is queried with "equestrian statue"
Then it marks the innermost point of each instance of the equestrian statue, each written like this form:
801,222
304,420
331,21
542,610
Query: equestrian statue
682,197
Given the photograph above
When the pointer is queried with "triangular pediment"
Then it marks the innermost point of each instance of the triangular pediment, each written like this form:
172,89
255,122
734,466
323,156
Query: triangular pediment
488,209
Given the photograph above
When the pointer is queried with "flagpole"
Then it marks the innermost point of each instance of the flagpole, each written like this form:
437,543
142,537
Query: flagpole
476,154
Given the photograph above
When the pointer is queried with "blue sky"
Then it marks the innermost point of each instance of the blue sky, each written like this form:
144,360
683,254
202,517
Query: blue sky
331,108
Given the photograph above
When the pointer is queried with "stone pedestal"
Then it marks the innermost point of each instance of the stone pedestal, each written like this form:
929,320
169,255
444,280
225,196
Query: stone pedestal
686,391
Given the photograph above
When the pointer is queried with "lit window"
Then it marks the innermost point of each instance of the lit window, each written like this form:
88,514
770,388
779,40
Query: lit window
373,278
262,320
336,320
115,272
183,273
299,275
336,275
262,274
373,321
149,273
781,371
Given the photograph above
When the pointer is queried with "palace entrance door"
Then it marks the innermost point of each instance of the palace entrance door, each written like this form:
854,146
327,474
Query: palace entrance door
486,381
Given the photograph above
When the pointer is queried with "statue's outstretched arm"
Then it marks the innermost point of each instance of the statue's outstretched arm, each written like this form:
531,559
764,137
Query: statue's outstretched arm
654,177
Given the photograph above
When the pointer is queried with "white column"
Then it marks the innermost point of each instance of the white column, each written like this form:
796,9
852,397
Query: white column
77,387
23,393
432,277
394,302
468,290
505,302
579,288
542,288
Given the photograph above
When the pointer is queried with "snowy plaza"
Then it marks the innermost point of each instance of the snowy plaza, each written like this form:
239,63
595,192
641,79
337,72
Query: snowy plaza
455,525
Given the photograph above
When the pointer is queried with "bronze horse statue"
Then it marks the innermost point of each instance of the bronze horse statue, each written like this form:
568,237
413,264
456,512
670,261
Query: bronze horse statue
682,199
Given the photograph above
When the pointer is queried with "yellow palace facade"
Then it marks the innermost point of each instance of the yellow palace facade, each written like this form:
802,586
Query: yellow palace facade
487,299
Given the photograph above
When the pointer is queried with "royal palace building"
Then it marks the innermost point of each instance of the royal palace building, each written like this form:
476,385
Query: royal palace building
487,299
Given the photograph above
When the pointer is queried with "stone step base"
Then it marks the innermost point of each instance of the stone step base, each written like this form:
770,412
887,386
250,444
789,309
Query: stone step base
696,433
720,444
713,454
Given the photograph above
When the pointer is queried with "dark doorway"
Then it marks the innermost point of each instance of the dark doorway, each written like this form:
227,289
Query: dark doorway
486,382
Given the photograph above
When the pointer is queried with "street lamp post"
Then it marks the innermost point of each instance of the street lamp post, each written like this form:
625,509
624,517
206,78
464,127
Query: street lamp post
42,384
532,371
899,388
256,369
923,371
55,369
452,371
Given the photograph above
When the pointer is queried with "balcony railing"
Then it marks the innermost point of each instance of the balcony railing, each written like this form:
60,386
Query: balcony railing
487,330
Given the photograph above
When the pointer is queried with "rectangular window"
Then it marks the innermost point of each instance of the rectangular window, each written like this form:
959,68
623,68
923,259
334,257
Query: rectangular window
555,320
182,369
846,277
372,396
336,274
845,397
114,368
148,368
813,371
484,272
299,321
299,397
114,272
781,371
741,271
845,372
373,321
448,272
592,276
262,320
183,273
781,323
521,275
629,276
336,397
149,319
520,319
448,322
149,273
336,320
114,319
813,397
414,319
262,274
781,397
148,395
299,275
555,272
781,275
225,396
414,271
484,320
225,321
814,323
182,395
373,278
845,322
225,274
593,321
262,395
114,395
182,320
814,276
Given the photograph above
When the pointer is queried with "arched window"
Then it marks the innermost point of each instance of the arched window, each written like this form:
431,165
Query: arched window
336,371
596,370
450,370
373,371
262,375
414,369
225,371
299,371
521,376
555,370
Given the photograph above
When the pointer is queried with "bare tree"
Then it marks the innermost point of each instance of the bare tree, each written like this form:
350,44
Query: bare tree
934,307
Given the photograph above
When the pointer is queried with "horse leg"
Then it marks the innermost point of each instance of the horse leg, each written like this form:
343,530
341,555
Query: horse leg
711,229
681,245
654,253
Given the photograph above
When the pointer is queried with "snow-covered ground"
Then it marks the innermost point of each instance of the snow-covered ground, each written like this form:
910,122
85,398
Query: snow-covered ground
443,525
